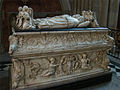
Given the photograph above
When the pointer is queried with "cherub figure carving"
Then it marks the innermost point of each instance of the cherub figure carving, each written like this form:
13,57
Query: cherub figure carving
35,68
13,44
88,19
85,62
25,18
19,18
62,63
90,16
76,62
52,68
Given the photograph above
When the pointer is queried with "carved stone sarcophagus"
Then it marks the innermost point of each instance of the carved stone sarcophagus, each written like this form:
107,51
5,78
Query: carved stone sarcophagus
48,58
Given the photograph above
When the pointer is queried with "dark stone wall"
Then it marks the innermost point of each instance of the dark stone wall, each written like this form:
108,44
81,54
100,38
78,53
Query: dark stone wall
10,9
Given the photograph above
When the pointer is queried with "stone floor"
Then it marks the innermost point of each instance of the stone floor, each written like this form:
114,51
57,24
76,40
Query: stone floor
114,84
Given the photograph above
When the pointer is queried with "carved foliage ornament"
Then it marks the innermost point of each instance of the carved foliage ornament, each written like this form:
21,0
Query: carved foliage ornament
18,73
56,66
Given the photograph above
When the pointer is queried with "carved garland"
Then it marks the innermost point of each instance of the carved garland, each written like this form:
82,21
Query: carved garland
57,66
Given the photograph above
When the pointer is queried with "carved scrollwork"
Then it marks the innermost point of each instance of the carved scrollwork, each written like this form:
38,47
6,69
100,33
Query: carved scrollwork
99,58
18,73
48,41
33,68
13,43
110,39
105,62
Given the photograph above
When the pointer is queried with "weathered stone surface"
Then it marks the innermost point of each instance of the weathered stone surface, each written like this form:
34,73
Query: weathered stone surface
57,57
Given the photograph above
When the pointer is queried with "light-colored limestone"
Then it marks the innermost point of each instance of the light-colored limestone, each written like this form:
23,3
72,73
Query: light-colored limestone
25,20
54,57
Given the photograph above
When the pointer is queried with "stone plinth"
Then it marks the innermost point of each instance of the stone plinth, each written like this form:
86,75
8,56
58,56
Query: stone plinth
59,56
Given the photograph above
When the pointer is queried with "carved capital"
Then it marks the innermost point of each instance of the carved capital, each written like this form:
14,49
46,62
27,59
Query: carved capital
13,44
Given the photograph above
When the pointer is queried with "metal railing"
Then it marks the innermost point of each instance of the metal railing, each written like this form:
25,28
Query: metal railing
115,51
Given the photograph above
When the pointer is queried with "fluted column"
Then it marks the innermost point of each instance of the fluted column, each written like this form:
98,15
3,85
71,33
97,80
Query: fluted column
101,8
0,22
65,5
106,10
113,14
1,47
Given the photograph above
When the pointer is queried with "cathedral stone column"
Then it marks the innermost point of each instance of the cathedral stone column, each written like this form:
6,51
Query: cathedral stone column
66,8
1,47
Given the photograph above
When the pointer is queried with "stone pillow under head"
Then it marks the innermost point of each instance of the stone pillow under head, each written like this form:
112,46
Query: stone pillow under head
88,19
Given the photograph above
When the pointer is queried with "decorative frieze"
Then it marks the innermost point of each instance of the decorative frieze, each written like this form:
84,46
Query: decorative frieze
38,70
57,41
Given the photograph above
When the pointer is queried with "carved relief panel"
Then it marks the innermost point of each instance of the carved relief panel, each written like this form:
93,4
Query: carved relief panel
46,68
58,41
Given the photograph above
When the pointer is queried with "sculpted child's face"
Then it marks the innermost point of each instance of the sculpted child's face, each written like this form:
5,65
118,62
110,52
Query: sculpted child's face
25,8
52,60
20,9
26,15
84,56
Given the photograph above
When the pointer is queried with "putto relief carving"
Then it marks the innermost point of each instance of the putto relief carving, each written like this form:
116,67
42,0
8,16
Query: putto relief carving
51,68
45,68
33,69
59,65
25,20
85,62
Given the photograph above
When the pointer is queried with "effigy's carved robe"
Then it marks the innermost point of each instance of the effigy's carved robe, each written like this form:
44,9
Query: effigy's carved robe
25,20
